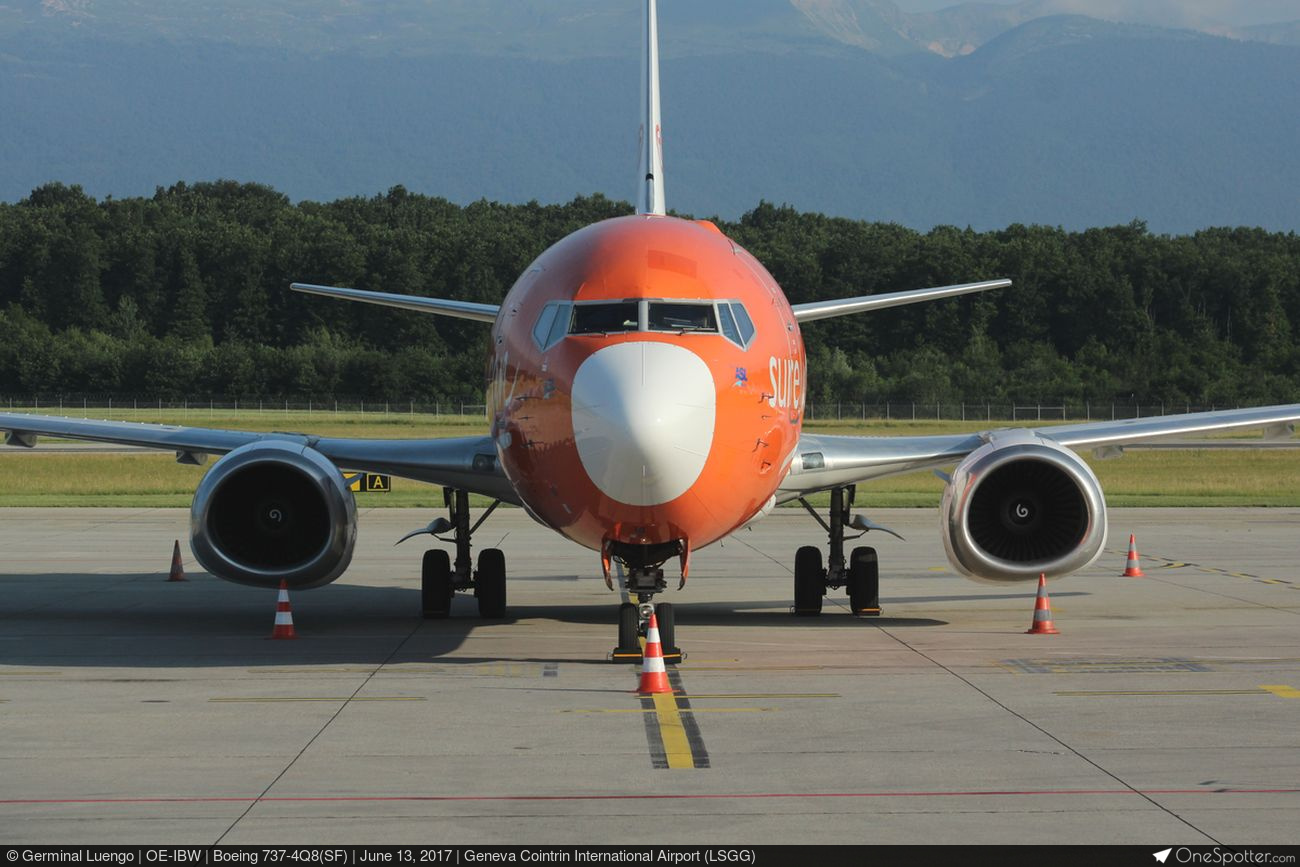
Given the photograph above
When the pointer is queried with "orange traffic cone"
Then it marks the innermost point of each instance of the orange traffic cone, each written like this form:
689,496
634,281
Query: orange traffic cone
178,571
654,677
1133,568
283,615
1042,624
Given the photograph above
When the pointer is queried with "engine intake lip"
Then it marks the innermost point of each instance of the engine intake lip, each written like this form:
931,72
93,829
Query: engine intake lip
1023,505
273,510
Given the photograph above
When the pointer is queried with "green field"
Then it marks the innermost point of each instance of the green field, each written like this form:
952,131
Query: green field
1193,477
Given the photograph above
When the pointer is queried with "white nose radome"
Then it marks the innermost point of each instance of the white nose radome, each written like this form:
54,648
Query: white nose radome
643,415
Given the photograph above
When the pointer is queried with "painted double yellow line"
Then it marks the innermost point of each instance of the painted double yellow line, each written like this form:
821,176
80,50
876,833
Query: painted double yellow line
678,749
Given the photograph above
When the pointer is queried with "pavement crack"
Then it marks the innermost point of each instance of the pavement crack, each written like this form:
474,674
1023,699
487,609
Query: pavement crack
346,702
738,538
1072,750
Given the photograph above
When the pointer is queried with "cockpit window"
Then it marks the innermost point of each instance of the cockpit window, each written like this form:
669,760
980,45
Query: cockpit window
542,329
743,323
604,318
560,326
727,323
674,316
561,318
552,325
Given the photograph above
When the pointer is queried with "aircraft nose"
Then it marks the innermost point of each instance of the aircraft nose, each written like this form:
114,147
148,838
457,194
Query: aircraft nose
643,417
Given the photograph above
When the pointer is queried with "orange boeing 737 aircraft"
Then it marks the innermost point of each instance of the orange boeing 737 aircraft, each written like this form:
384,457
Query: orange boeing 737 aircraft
646,397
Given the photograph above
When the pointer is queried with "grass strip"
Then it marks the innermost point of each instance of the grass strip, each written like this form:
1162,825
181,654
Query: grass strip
1160,478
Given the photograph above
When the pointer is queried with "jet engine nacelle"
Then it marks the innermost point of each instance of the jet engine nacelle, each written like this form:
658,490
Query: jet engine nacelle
1022,505
272,511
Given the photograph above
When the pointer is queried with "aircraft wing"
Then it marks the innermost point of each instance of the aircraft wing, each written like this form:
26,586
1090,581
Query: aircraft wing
814,310
465,463
442,306
822,462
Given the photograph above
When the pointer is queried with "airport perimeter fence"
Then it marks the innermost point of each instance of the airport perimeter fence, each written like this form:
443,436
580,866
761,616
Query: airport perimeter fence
103,406
998,412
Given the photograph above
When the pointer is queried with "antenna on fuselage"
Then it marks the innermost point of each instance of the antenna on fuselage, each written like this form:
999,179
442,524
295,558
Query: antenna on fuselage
650,193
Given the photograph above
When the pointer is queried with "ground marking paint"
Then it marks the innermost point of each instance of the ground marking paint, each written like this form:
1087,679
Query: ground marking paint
677,748
1162,692
320,698
1279,690
604,796
654,710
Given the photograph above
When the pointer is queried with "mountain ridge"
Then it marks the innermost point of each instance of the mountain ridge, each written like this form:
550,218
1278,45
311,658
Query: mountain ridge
1062,120
568,28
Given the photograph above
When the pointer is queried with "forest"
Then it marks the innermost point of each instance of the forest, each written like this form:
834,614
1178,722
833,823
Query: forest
184,295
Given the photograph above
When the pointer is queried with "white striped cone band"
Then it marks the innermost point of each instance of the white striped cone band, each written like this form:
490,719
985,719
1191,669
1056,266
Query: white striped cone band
283,598
283,618
653,665
1041,614
652,636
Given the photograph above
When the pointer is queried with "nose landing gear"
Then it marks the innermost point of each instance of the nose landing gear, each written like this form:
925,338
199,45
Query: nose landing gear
859,575
633,619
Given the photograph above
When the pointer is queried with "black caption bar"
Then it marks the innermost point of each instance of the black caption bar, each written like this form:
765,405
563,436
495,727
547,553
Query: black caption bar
670,856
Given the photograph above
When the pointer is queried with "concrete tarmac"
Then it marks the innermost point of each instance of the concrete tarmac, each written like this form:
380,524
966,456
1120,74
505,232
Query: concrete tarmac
1167,711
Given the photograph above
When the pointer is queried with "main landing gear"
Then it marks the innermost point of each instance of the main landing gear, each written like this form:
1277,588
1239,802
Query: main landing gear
860,574
440,579
643,581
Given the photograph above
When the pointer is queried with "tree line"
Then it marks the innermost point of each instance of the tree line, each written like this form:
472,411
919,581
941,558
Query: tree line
184,294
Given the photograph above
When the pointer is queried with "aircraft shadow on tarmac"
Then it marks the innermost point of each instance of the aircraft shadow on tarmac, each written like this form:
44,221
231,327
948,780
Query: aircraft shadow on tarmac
139,620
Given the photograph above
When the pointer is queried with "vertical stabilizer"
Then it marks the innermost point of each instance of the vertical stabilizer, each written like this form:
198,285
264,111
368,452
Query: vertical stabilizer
650,194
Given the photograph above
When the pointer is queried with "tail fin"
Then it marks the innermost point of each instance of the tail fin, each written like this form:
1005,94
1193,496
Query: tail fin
650,194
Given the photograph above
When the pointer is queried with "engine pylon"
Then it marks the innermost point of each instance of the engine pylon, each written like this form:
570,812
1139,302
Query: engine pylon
1042,624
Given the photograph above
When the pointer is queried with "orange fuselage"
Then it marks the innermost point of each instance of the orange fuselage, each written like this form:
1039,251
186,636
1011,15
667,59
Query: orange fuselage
644,435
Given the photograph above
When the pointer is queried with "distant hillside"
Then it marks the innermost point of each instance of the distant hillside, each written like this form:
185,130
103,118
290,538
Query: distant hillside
961,28
559,29
1280,34
1062,120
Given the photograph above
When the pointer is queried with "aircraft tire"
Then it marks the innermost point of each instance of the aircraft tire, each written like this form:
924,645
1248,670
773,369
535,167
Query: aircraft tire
864,582
491,583
629,624
435,584
667,631
809,582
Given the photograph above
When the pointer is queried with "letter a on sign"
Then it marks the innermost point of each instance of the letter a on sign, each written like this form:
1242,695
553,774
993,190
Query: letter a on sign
377,484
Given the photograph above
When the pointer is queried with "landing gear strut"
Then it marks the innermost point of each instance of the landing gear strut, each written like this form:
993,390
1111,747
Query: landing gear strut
440,579
860,574
634,619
